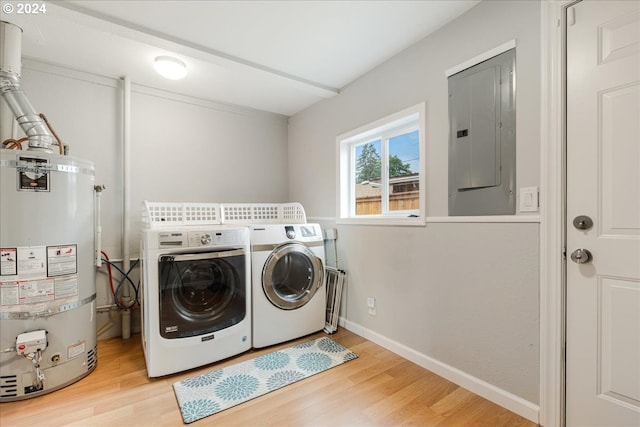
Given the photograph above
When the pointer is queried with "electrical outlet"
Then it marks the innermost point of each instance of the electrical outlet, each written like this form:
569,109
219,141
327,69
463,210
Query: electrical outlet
371,304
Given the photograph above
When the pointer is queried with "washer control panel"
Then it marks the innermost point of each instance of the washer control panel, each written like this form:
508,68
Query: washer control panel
205,239
171,239
214,237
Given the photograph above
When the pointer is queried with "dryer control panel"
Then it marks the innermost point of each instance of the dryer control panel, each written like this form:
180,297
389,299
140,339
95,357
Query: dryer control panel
307,230
290,231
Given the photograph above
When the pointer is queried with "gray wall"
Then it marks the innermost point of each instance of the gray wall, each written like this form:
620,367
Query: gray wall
465,294
182,150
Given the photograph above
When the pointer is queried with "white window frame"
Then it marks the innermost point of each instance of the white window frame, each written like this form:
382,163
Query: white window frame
394,124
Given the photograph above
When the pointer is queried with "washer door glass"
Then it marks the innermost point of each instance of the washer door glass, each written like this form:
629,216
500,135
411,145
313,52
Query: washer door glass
201,293
291,276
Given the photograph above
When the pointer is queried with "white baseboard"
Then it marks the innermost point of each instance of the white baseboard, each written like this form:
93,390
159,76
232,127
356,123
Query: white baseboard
507,400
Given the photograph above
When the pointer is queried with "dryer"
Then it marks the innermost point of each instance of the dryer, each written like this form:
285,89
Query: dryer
196,296
289,298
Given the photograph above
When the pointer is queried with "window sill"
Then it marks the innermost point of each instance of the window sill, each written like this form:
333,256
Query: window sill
420,222
484,219
382,221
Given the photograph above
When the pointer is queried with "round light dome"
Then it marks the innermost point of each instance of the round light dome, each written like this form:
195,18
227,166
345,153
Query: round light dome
170,67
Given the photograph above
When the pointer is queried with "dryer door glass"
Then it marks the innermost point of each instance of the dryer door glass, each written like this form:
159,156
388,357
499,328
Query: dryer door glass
201,293
291,276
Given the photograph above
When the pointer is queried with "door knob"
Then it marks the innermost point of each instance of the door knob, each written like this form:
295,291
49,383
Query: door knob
581,256
582,222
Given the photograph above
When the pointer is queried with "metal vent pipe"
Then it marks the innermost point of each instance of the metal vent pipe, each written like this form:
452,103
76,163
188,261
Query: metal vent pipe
40,138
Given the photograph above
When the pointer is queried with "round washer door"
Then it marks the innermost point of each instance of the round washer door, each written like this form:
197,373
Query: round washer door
291,276
205,289
201,292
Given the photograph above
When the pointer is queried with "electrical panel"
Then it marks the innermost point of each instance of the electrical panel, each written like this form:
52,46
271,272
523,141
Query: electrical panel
482,114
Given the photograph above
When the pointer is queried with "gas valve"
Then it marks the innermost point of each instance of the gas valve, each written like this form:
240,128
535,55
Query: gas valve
31,342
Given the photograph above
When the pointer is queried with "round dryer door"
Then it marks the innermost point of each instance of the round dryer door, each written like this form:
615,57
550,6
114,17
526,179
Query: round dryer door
291,276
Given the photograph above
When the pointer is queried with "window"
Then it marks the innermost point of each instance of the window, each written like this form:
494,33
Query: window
381,171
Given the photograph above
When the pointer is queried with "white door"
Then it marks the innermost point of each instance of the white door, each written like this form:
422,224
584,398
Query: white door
603,183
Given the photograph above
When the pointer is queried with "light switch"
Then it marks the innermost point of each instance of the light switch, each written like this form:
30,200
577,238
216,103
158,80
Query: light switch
529,199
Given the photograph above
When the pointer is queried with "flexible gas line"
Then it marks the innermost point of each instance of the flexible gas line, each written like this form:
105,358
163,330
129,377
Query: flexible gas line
36,358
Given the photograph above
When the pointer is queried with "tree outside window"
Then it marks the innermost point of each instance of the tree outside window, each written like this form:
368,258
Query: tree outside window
402,185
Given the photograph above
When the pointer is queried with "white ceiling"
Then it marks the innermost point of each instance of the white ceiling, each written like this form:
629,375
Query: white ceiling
276,56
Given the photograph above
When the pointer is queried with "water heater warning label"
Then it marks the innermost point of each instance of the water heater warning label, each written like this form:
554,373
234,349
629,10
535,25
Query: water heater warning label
28,292
39,262
39,295
61,260
32,262
76,350
38,278
33,174
8,261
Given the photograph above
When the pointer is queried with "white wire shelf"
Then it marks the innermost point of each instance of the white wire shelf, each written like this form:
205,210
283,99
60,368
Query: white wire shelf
167,214
263,213
171,214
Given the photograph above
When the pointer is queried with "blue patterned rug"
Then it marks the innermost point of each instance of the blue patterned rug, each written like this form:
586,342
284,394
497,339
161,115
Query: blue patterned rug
209,393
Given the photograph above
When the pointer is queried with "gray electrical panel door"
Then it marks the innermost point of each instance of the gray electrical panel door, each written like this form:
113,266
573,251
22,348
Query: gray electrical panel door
482,138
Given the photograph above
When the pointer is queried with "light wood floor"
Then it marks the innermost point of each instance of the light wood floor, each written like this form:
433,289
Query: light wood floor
377,389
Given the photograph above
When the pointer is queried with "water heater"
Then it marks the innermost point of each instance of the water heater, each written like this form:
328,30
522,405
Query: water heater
47,272
47,251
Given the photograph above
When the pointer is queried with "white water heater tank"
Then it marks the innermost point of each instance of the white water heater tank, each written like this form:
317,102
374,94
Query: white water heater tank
47,272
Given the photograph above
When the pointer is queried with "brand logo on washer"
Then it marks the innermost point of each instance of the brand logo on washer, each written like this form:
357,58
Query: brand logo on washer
169,329
208,338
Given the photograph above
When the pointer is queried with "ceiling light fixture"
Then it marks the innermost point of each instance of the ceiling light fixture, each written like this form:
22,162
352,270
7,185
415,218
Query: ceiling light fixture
170,67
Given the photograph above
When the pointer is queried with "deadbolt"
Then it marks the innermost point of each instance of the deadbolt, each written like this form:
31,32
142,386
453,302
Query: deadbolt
582,222
581,256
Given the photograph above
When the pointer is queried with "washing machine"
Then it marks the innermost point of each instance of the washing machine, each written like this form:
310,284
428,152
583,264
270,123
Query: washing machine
289,298
196,296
